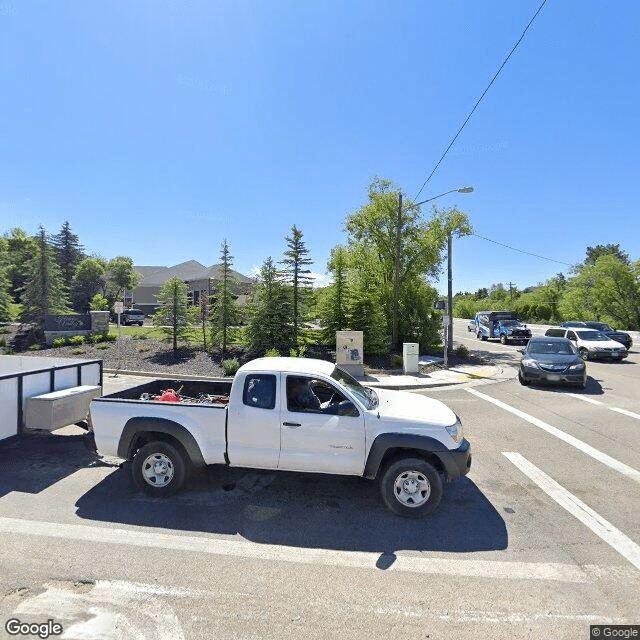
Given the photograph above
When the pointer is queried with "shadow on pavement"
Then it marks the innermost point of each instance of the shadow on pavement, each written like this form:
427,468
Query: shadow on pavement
37,460
300,510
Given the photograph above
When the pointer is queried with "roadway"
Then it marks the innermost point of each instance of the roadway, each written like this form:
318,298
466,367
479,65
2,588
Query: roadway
541,540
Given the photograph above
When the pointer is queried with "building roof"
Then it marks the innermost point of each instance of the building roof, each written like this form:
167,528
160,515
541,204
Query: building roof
186,271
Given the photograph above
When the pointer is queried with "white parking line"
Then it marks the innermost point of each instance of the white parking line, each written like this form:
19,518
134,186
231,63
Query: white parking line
621,467
351,559
624,412
601,527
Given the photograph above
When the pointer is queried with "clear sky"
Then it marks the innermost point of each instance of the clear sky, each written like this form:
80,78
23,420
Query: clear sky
159,128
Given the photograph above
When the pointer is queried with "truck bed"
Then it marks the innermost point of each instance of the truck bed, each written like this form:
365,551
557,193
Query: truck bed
201,391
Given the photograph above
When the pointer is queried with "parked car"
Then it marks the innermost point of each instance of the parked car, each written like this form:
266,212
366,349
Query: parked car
553,360
573,323
591,344
618,336
132,316
471,325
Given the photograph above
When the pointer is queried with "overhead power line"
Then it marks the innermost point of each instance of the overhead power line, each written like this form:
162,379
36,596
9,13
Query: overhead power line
480,99
535,255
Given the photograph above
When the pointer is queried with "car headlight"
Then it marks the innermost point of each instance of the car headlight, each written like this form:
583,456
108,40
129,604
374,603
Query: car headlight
528,362
455,431
577,367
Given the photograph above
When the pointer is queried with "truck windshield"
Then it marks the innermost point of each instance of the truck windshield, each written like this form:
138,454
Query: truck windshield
367,396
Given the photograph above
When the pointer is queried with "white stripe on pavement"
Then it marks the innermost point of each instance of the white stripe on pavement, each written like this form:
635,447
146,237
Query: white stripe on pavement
594,521
352,559
621,467
624,412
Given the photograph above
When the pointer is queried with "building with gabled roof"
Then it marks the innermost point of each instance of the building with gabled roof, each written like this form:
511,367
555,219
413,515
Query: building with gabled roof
202,282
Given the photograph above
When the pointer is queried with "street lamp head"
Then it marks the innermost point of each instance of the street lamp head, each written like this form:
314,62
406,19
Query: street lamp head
465,190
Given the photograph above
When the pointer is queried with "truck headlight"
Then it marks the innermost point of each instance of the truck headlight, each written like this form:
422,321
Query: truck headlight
455,431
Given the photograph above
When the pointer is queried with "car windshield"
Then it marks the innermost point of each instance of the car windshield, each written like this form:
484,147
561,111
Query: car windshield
367,396
592,335
550,347
511,323
600,326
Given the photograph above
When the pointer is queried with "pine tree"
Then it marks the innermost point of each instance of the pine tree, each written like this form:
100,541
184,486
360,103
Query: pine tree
225,312
69,252
270,313
333,312
297,275
174,315
44,292
5,297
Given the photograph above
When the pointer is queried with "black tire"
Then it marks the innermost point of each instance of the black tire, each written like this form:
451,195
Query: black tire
159,469
522,381
503,339
411,487
581,385
584,353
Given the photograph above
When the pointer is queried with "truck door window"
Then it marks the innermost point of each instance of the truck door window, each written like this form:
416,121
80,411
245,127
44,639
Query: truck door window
260,391
310,395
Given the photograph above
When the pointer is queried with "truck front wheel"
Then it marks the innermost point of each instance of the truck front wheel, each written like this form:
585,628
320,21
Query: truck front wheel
159,469
503,339
411,487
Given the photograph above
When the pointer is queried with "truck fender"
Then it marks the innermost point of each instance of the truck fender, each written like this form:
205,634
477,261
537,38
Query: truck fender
134,426
403,441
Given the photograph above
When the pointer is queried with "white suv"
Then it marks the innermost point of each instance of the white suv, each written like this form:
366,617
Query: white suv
591,344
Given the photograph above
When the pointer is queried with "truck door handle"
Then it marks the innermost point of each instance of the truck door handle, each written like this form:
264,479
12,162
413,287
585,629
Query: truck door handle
291,424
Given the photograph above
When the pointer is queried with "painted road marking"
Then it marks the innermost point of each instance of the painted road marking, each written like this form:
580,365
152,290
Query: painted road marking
621,467
594,521
244,549
624,412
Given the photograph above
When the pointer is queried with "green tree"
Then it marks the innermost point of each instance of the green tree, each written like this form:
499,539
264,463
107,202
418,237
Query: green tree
5,296
44,291
225,312
99,303
593,253
89,279
120,276
297,276
174,315
333,305
21,249
270,313
69,252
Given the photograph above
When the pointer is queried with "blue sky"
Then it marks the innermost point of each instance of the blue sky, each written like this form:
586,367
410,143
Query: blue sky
159,128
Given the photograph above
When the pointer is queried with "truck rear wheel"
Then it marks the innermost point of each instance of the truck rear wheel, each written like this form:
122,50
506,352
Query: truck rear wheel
411,487
159,469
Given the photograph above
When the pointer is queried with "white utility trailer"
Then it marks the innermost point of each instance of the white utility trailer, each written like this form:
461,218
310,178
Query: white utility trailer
45,393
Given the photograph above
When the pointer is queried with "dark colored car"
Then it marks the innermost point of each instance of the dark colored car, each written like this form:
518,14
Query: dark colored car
132,316
618,336
572,323
552,360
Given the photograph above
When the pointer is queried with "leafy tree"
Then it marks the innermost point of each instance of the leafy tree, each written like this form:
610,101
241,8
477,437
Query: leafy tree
120,276
297,275
379,225
225,311
174,315
99,303
270,313
44,291
89,280
593,253
69,252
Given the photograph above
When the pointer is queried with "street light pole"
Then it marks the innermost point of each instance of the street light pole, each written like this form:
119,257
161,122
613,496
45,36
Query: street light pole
396,275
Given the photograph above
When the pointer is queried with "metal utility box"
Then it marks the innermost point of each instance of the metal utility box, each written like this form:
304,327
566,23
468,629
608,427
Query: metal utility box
410,356
349,352
60,408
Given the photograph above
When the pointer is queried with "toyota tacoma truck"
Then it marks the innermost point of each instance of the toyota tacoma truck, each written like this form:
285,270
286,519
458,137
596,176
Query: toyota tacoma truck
291,414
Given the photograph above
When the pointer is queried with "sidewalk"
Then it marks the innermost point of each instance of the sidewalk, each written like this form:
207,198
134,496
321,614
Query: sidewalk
117,380
438,378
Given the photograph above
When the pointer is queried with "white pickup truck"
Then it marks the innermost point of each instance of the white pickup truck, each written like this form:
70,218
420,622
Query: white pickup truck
292,414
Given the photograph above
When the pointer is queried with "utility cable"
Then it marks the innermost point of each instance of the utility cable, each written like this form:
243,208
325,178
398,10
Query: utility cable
480,99
535,255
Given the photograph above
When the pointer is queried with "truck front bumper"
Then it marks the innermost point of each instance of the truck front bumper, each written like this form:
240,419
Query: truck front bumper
456,462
